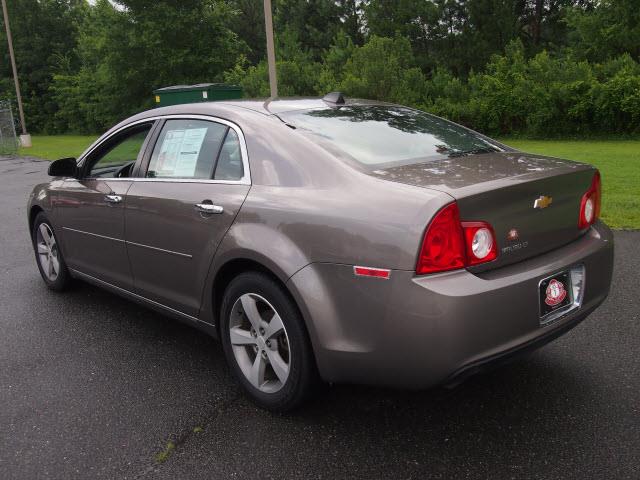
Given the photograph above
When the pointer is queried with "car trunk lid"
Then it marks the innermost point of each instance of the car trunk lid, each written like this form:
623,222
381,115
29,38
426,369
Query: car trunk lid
531,201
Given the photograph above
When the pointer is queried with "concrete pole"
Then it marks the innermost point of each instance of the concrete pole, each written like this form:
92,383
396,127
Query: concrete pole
25,138
271,54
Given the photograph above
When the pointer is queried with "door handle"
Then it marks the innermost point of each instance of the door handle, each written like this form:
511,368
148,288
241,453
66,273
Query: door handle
209,208
112,198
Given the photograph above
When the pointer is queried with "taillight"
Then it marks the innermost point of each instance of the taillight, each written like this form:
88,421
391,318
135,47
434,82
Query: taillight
450,244
590,204
443,245
481,242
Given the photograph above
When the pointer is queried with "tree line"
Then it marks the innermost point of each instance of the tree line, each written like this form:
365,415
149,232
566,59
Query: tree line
531,67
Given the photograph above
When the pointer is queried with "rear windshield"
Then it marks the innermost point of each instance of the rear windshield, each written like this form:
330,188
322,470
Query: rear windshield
384,136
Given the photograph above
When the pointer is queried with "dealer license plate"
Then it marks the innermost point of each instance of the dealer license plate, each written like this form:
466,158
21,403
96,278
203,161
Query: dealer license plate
555,293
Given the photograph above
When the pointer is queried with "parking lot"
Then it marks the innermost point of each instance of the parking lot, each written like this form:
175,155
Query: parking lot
94,386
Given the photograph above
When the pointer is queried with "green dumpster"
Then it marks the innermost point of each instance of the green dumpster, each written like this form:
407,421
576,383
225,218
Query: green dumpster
204,92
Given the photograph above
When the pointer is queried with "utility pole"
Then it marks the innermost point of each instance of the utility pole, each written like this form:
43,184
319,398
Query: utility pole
25,138
271,55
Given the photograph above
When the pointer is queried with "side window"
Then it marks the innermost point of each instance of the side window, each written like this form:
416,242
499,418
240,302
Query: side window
186,149
119,156
229,165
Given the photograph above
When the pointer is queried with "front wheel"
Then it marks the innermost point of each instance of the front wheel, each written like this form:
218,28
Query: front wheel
48,255
266,344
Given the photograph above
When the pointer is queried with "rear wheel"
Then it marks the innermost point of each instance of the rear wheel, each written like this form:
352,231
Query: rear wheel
48,255
265,343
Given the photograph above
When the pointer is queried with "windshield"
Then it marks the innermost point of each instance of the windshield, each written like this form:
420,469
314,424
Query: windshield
382,136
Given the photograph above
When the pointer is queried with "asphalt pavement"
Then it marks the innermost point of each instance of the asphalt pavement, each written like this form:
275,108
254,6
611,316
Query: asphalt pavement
94,386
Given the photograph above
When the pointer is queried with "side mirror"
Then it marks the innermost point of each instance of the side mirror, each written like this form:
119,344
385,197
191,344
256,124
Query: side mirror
65,167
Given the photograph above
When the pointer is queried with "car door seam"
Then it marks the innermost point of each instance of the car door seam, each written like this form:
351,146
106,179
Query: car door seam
215,252
124,231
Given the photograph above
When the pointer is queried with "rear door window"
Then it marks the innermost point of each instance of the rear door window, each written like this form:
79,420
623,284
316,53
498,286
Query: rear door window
230,160
187,149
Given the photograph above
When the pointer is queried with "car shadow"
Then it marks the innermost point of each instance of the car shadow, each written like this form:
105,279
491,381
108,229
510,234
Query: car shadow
497,424
529,382
506,420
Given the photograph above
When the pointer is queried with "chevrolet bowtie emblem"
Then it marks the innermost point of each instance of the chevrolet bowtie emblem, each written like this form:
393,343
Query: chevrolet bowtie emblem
542,202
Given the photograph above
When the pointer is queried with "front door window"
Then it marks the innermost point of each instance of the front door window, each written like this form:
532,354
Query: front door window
117,158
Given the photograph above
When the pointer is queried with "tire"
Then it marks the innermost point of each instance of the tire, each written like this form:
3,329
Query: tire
257,357
53,268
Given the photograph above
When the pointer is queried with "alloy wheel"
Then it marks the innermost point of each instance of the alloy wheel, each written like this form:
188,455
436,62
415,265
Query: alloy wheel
48,253
260,343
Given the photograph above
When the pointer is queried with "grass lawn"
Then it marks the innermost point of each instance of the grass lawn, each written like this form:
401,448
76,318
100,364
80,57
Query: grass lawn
618,161
58,146
619,165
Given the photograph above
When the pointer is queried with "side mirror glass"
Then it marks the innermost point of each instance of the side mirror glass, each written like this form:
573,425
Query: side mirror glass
65,167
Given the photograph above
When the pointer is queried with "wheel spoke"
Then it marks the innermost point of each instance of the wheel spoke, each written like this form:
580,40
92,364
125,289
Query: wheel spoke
51,272
55,265
46,265
251,311
50,269
256,376
280,367
240,336
43,249
275,326
46,235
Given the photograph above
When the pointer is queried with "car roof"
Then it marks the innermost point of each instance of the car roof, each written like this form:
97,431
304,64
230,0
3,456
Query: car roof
264,107
281,105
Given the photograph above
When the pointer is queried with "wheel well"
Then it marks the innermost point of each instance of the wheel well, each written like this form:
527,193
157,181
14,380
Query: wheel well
33,213
232,269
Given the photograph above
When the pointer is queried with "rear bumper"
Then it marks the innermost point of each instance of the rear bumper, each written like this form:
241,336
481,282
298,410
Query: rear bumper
414,332
500,358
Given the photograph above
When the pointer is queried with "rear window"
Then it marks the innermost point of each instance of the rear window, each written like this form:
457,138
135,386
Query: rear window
385,136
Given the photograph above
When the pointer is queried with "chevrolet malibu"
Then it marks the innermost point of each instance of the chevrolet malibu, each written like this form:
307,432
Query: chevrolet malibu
330,240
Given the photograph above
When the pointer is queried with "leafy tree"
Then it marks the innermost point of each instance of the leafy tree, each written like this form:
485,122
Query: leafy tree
536,67
605,31
334,61
416,20
310,23
248,25
351,15
127,52
45,37
297,71
383,69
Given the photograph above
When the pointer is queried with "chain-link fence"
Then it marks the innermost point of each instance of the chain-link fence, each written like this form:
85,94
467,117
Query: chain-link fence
8,140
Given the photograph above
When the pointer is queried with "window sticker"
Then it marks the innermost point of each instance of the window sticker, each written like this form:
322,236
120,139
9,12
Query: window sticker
179,152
